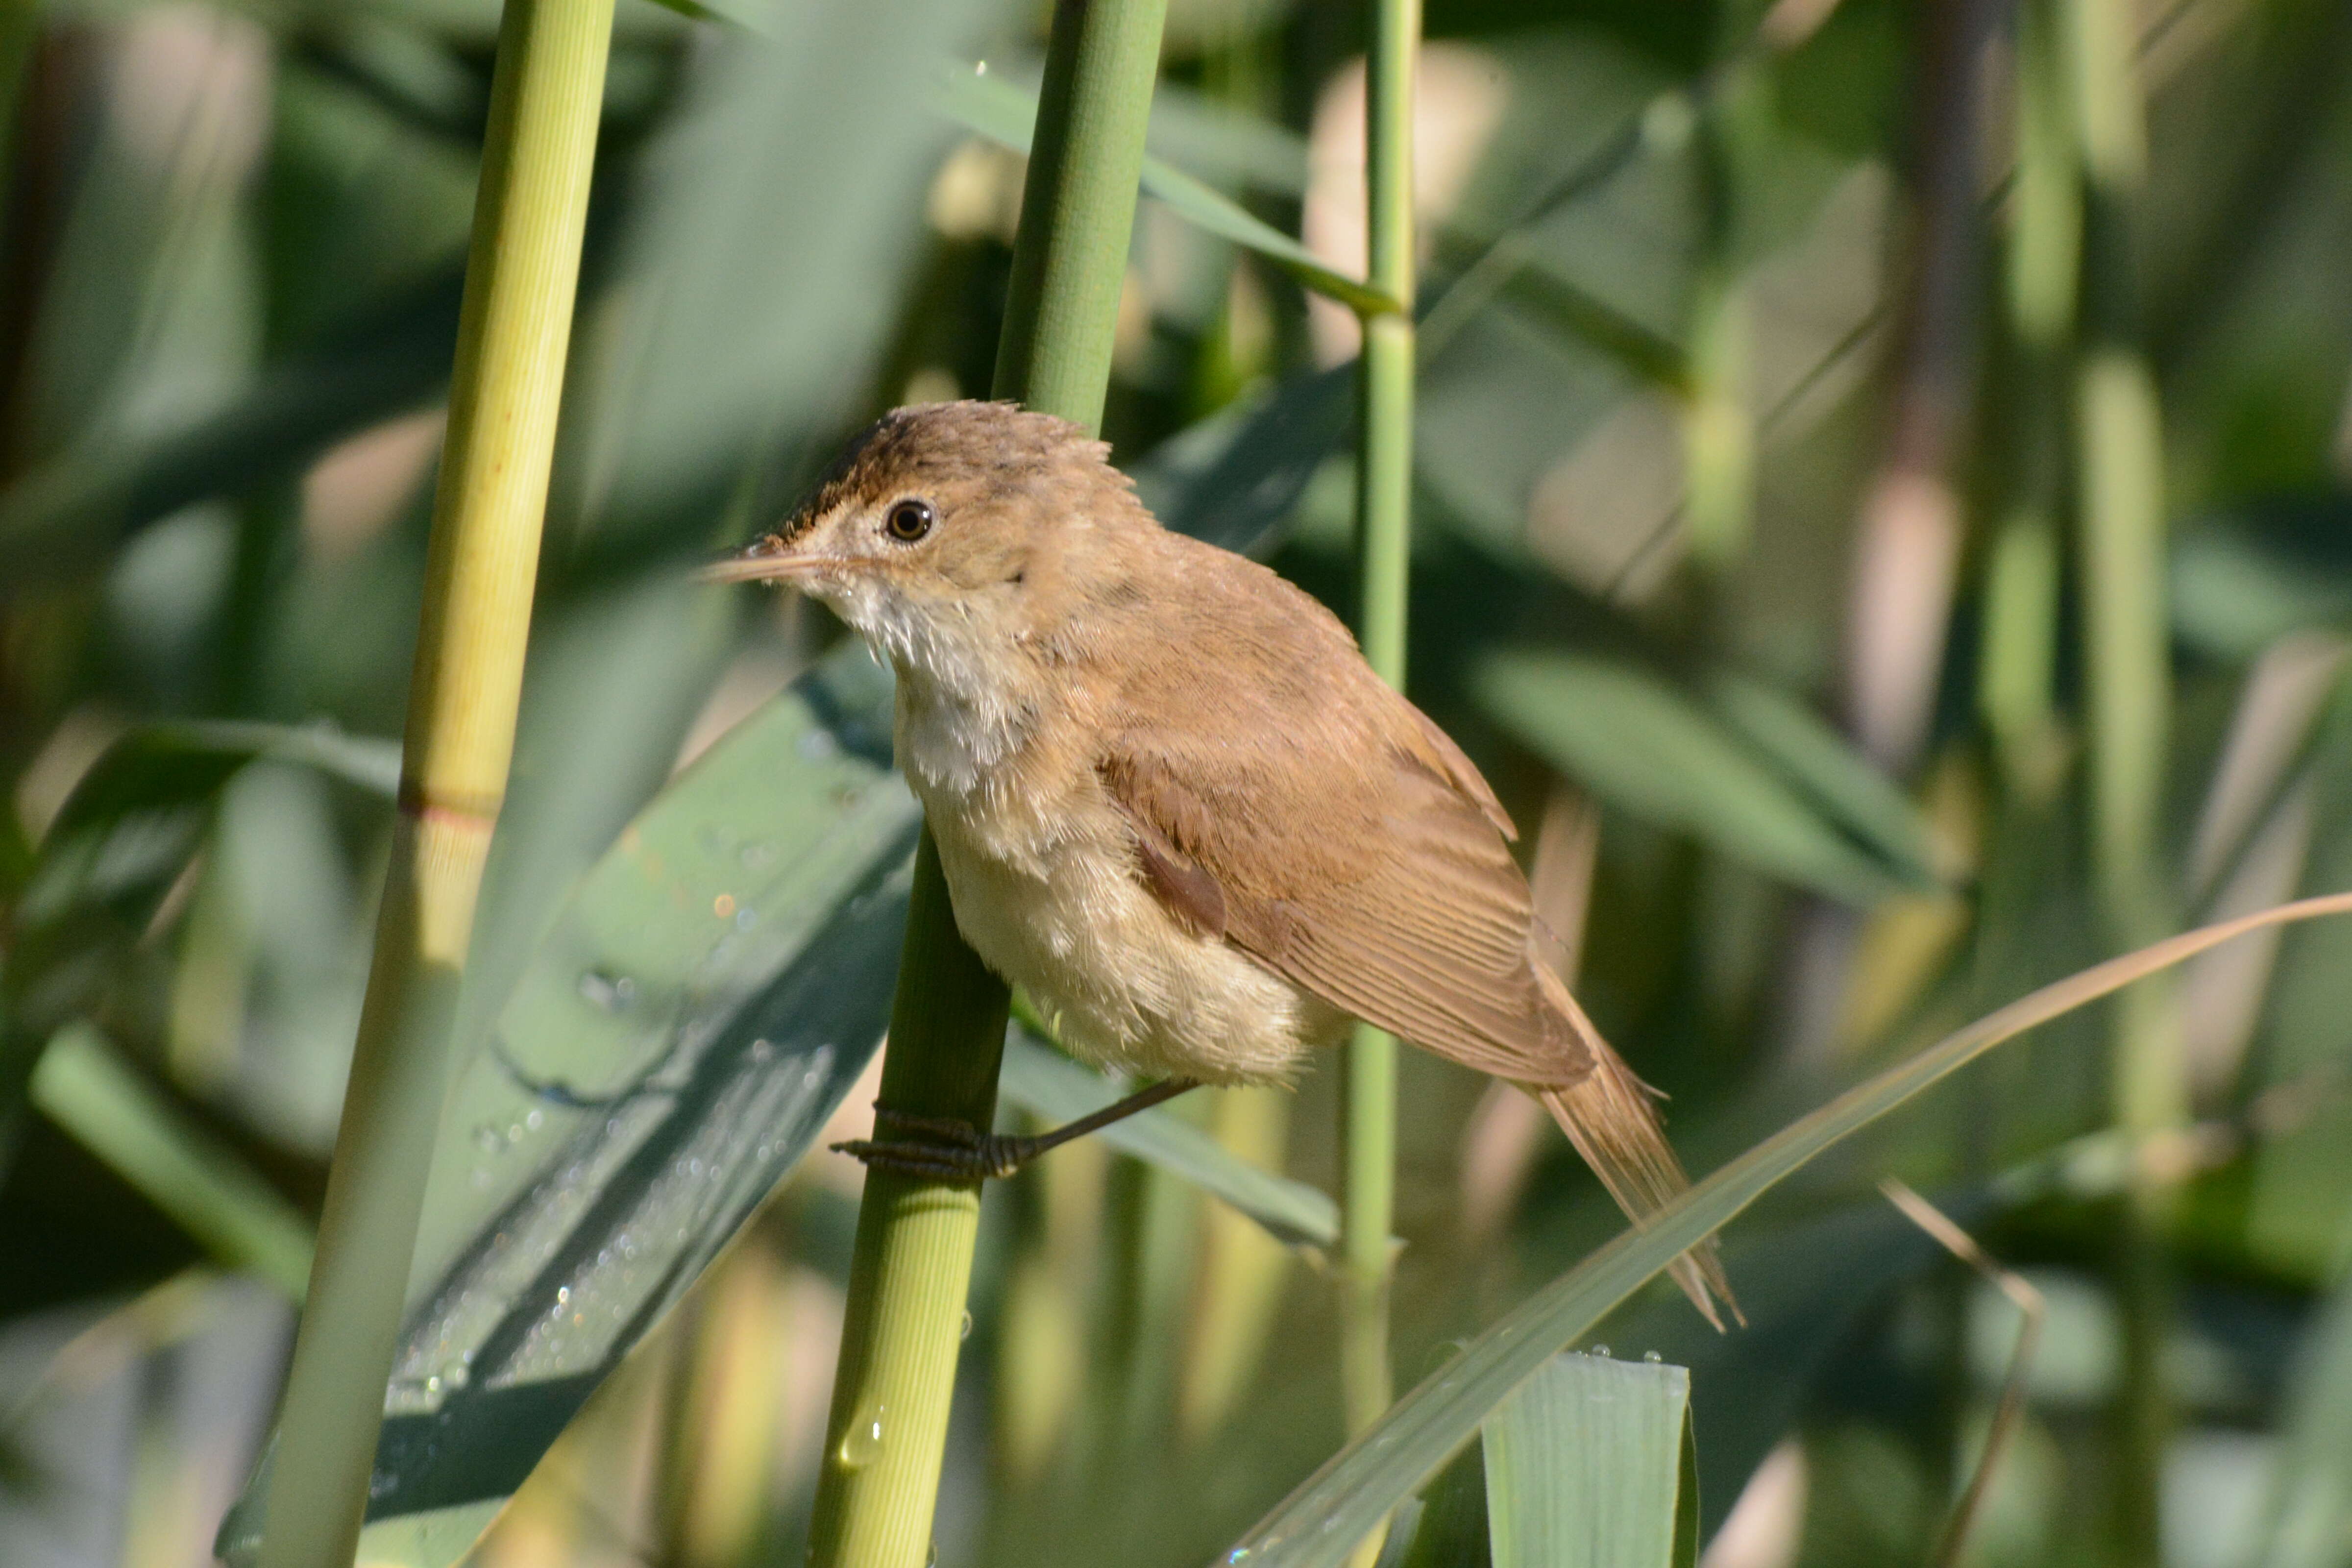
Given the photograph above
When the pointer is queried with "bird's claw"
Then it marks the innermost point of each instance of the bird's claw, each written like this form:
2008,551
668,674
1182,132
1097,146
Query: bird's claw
939,1148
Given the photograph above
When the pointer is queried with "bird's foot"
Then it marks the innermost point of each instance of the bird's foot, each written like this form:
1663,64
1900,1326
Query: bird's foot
939,1148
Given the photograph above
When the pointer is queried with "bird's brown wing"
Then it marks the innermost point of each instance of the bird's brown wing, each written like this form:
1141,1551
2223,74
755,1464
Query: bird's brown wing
1284,798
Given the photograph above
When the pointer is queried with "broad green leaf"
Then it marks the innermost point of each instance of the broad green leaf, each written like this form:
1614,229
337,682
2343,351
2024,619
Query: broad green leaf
1634,740
990,106
86,1089
1041,1079
1829,772
1584,1465
1223,143
1686,1501
613,681
1320,1524
700,1007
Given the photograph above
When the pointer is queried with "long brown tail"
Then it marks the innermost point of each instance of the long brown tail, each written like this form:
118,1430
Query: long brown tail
1611,1117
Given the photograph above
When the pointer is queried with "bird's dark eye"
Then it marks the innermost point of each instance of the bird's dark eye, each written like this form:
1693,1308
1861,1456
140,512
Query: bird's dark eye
908,521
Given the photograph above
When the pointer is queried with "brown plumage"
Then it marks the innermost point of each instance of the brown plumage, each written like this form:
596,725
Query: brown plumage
1173,801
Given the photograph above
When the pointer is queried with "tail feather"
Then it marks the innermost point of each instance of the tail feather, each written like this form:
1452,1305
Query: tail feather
1611,1117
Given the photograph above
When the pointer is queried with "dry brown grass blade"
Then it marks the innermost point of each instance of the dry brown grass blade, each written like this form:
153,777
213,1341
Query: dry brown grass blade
2032,1309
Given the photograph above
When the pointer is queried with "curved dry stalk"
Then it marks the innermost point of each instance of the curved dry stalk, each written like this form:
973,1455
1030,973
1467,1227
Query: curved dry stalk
2032,1308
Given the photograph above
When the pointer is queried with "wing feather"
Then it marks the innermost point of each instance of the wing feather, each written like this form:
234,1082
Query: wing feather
1350,848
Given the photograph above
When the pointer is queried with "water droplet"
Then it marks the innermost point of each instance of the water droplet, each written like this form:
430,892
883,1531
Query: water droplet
1652,1357
763,1048
746,917
487,1140
608,992
455,1375
817,745
562,1294
861,1444
931,1555
1600,1351
533,1119
963,1330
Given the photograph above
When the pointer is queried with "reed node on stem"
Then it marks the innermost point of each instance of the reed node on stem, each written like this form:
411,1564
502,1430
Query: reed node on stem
547,93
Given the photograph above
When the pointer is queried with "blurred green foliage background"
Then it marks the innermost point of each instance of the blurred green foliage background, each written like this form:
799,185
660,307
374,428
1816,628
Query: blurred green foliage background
1767,449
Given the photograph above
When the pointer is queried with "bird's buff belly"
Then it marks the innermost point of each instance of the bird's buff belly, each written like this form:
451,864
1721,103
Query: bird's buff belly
1125,987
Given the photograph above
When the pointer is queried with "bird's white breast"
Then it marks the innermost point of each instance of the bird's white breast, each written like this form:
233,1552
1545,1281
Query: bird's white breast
1041,871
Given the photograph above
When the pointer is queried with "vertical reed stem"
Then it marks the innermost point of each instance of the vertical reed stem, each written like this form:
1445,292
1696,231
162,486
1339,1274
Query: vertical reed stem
1384,500
2017,674
886,1436
1718,429
537,151
2128,667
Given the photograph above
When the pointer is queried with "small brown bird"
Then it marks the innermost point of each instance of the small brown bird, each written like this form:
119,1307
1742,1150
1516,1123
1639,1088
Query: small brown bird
1173,803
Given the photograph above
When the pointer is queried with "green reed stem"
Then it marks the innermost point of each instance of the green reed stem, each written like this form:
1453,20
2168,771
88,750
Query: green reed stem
546,95
2017,674
886,1436
1384,522
2128,667
1718,429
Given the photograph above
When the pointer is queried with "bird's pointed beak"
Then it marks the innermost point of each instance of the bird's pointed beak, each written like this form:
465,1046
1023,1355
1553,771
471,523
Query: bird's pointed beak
768,560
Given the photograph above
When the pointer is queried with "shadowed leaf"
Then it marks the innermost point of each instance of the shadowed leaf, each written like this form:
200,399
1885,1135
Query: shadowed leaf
702,1003
1645,749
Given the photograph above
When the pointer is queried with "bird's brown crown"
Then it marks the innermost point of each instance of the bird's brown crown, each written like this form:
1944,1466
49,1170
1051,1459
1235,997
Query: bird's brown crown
969,453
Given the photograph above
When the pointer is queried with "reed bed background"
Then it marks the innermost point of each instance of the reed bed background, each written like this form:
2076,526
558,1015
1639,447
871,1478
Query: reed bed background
1868,481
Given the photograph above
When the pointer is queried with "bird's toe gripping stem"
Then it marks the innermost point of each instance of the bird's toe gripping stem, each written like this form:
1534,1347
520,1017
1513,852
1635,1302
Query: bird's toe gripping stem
939,1148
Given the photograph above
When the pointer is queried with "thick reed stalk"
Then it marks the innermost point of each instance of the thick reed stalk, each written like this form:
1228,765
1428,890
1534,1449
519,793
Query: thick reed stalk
886,1436
1384,521
2128,663
520,278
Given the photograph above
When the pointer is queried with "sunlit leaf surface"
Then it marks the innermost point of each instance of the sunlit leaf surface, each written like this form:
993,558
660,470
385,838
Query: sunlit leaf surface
1584,1465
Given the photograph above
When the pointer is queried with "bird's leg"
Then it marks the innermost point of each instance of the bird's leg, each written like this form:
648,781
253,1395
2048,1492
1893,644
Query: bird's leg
947,1150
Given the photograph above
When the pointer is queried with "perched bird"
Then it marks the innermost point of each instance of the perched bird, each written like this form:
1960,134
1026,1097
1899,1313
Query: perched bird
1172,802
